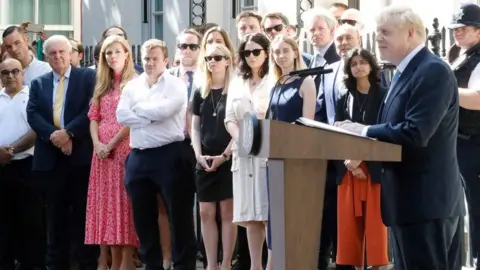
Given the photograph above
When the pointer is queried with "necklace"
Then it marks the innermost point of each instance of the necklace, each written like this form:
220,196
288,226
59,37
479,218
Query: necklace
215,106
361,106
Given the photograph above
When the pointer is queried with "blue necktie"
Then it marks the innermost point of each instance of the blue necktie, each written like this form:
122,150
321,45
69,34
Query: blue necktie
392,83
190,80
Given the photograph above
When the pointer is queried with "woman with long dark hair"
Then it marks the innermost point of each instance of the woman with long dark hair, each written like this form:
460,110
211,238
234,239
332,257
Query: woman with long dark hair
360,226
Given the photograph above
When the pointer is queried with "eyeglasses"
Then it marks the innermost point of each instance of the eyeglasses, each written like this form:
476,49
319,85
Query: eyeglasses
277,28
350,22
256,52
14,72
184,46
216,58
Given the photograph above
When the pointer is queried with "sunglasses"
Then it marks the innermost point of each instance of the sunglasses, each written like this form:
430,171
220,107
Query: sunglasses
216,58
184,46
256,52
277,28
14,72
350,22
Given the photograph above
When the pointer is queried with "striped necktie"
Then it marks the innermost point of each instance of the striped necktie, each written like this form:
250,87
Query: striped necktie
58,105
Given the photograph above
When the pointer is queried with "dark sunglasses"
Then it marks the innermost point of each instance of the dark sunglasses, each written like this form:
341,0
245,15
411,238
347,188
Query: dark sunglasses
184,46
256,52
216,58
350,22
14,72
277,28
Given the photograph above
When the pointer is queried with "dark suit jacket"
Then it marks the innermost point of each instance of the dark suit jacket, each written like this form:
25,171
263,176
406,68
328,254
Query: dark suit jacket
343,109
421,114
40,117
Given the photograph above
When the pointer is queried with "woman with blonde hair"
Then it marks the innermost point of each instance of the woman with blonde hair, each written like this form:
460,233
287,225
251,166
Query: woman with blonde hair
212,146
109,221
293,96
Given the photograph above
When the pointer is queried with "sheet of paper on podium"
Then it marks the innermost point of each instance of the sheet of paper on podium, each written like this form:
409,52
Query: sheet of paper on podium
315,124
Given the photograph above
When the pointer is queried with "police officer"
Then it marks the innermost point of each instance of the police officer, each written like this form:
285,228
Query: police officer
465,62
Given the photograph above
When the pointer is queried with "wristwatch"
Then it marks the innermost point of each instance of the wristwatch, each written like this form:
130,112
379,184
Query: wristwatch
69,133
226,157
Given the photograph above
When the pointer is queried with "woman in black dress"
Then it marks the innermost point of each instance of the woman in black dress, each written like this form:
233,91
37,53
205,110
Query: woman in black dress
212,146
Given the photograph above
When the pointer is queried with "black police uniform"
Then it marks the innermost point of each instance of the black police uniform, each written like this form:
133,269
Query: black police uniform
468,144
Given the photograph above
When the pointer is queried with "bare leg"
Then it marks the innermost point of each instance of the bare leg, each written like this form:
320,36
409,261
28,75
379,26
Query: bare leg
116,257
165,237
269,260
256,237
103,258
128,261
209,233
229,233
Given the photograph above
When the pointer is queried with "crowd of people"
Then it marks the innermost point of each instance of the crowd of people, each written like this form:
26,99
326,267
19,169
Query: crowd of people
101,167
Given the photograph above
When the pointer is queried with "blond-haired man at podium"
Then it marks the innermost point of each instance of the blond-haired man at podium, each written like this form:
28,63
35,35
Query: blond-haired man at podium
422,196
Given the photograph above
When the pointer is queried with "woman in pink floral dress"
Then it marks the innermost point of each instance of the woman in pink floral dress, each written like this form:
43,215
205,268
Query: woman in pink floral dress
109,221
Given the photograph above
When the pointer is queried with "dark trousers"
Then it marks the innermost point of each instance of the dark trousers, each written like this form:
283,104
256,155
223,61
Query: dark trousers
468,153
328,239
22,230
433,244
66,188
161,170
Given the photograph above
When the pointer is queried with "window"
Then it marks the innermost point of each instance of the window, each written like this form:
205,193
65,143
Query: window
249,5
56,15
157,27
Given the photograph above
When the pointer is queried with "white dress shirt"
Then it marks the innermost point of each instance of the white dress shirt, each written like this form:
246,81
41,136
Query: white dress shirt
155,115
35,69
474,81
13,120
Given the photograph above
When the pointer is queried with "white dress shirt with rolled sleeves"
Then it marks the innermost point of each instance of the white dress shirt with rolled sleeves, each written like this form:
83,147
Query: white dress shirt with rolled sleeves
13,120
155,115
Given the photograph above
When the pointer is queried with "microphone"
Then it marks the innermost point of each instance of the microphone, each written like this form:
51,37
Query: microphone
311,71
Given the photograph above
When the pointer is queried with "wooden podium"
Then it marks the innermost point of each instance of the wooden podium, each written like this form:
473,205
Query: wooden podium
297,162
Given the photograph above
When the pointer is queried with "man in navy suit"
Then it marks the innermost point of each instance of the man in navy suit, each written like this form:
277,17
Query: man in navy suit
57,112
422,196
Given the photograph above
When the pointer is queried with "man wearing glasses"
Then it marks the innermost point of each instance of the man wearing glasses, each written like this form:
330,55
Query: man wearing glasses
77,52
21,208
275,24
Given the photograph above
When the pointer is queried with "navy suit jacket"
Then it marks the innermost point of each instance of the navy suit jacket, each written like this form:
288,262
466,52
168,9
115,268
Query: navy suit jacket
40,117
421,114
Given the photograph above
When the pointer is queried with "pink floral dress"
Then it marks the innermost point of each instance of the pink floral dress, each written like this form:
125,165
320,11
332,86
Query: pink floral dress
109,218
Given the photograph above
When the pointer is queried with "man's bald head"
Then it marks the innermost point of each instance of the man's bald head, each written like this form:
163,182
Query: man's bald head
347,37
11,75
10,63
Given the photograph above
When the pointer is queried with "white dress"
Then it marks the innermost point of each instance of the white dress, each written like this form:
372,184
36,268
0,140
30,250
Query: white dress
250,194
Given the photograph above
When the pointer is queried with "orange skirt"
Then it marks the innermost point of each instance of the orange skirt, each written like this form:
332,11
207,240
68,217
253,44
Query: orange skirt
360,223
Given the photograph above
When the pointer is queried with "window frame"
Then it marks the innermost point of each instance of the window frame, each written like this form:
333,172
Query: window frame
73,28
154,13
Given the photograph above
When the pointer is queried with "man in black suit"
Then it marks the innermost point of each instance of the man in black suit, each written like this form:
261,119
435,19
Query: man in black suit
422,196
57,112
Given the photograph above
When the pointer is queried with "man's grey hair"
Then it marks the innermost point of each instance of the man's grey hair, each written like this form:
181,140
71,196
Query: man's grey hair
309,15
402,17
56,39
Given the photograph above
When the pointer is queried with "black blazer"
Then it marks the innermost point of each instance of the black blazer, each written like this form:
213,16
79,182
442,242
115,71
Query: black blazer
40,117
343,107
421,114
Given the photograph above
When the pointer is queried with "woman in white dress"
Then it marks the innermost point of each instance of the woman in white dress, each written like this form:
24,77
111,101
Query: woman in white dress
250,93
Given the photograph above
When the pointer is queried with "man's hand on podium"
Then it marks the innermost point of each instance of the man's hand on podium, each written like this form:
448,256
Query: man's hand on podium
350,126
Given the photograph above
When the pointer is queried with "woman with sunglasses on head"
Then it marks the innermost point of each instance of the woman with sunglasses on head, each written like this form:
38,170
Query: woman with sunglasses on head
212,145
249,93
359,216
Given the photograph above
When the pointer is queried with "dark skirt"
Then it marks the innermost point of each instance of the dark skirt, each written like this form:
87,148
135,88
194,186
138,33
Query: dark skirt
214,186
